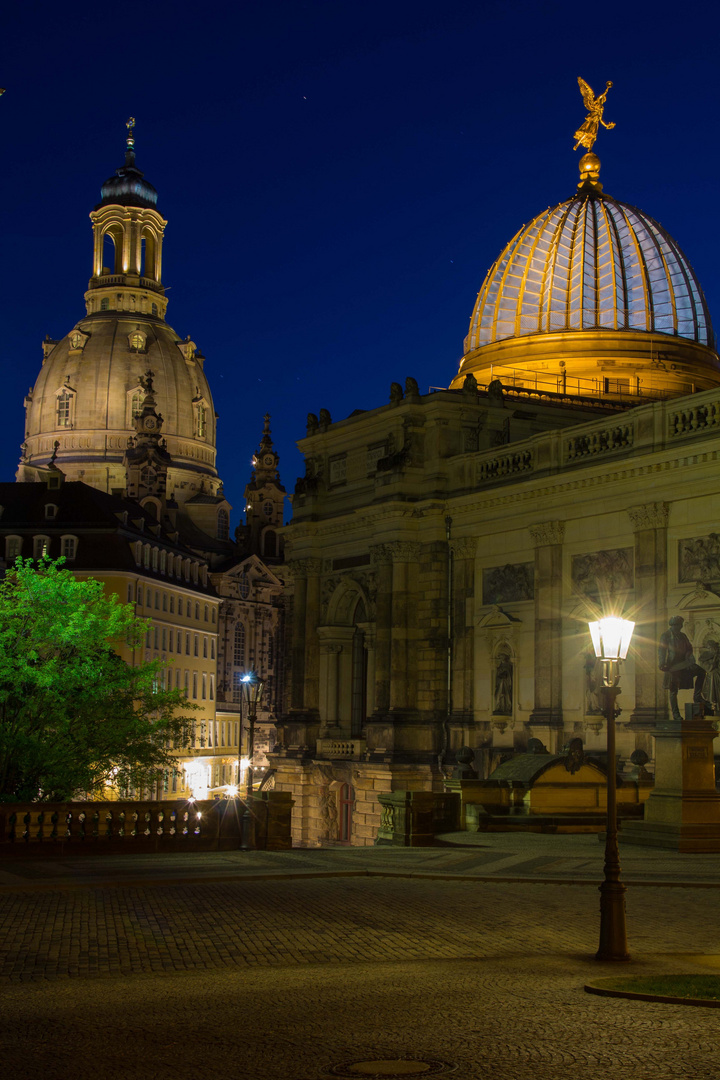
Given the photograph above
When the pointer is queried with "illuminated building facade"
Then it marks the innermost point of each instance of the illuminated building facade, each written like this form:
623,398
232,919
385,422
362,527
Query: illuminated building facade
447,548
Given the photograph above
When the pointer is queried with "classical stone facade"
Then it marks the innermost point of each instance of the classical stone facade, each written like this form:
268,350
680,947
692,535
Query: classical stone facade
447,549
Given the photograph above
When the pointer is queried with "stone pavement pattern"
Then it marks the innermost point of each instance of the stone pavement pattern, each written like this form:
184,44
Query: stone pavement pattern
283,976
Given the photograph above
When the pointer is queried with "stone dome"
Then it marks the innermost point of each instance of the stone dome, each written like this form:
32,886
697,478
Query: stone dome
90,386
595,290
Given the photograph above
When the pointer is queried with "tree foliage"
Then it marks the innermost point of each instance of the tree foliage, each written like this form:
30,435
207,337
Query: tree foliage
74,715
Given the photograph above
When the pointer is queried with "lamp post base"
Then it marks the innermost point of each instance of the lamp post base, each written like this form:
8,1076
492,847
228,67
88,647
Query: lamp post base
613,935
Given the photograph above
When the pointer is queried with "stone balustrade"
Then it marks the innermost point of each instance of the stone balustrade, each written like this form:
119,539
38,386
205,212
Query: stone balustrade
341,748
415,818
138,826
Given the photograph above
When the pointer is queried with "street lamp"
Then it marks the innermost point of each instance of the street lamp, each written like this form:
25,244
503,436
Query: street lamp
611,640
252,687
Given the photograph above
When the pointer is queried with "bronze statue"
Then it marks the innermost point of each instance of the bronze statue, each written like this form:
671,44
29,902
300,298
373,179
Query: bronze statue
587,134
676,660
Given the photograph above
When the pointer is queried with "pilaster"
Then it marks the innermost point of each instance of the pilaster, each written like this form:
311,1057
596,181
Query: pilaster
649,522
546,718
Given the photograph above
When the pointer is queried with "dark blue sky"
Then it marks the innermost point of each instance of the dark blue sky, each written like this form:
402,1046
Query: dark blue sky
338,176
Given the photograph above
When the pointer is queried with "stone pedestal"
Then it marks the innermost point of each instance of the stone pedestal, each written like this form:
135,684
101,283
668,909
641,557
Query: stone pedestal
683,811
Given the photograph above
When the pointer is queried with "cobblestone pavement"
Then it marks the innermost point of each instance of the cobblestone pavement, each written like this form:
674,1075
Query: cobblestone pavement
283,977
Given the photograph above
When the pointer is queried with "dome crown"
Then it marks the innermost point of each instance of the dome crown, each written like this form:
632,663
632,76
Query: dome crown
128,187
591,263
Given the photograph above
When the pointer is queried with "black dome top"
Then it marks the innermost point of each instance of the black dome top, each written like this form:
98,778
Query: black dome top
128,187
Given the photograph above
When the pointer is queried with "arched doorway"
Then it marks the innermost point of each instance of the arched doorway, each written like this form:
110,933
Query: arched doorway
346,800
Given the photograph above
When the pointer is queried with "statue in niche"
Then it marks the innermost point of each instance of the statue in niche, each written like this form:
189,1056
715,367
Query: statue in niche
676,660
593,683
709,659
503,697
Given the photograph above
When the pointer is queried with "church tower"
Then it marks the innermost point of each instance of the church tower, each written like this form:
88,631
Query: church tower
264,498
92,385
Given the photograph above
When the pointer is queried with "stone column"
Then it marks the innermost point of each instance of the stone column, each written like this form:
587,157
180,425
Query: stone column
297,686
546,718
313,569
369,645
328,697
649,523
402,638
462,628
381,558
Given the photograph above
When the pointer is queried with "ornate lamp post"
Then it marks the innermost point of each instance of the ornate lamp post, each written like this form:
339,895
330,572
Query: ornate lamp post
611,640
252,688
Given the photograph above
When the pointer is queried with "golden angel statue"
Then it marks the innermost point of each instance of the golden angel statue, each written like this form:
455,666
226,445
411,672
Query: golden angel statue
587,134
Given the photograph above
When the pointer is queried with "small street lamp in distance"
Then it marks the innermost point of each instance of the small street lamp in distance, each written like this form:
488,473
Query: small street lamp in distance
611,640
252,687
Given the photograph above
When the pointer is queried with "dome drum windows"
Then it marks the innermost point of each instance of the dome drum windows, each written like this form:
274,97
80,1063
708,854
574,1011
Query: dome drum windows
137,340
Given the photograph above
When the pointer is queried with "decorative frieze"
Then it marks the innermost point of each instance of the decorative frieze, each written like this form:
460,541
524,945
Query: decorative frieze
505,584
305,567
603,573
547,532
649,516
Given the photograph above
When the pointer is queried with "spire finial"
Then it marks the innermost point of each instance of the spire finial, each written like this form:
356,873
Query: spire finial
266,436
130,141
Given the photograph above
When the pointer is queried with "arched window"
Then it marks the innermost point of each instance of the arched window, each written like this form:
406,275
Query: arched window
41,545
223,525
239,651
244,585
200,419
105,304
154,309
270,543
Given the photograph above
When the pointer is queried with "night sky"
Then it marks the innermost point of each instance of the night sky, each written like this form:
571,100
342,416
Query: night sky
338,176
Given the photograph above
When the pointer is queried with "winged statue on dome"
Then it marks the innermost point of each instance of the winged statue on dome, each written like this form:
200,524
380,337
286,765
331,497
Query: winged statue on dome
587,134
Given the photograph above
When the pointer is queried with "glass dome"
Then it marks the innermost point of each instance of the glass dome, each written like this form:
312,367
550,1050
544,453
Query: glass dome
591,263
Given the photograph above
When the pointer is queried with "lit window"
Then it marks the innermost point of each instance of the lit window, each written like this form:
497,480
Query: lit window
40,546
200,420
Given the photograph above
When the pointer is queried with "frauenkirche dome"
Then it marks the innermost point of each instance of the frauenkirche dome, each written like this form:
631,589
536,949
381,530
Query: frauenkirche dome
593,291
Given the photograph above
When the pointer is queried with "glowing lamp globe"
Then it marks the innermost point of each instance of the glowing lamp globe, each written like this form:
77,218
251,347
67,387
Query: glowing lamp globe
611,637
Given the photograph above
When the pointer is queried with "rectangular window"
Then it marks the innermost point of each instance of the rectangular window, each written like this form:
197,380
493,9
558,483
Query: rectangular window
157,600
69,545
177,679
204,686
147,640
172,604
212,687
187,683
171,640
187,644
195,685
222,732
205,643
196,645
164,638
617,386
210,733
164,601
157,638
130,594
212,648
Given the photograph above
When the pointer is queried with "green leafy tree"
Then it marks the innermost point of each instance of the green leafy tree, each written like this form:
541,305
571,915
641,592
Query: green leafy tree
74,715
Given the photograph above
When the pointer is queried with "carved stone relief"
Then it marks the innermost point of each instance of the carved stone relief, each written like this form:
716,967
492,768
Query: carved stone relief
547,532
603,573
649,516
699,559
503,584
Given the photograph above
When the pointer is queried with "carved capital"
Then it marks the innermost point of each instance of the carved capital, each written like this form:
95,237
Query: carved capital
404,551
649,516
331,650
305,567
464,548
381,555
547,532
